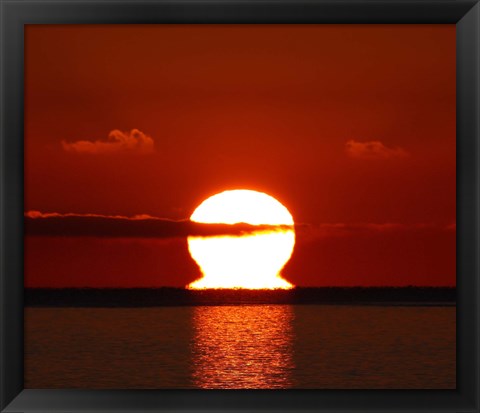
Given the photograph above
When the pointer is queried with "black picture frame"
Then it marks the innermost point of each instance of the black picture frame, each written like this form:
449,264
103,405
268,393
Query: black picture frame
16,13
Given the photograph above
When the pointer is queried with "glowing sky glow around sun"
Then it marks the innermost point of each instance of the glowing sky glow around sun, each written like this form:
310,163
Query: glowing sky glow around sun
250,261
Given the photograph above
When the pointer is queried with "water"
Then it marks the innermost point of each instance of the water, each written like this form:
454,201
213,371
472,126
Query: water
242,347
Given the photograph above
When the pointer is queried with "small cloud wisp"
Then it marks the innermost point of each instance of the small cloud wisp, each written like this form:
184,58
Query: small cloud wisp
373,150
117,141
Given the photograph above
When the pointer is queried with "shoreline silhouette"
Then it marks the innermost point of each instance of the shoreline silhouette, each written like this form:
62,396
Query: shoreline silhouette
171,296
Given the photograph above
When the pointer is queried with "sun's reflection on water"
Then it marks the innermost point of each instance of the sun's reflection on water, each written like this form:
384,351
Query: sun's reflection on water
242,347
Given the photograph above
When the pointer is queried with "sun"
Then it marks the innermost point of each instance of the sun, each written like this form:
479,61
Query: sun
250,261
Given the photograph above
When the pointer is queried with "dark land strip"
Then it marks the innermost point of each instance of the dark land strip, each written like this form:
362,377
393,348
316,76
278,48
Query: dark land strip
159,297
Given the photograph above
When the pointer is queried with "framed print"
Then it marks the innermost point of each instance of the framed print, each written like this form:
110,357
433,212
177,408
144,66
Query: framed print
240,206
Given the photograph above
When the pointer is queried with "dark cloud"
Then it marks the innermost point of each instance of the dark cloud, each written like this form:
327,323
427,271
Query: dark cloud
93,225
331,230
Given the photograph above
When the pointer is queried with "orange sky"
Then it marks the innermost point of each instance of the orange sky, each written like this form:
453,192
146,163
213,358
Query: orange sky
351,127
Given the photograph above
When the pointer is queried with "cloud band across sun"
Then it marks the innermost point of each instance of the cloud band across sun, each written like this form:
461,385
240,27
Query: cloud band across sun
145,226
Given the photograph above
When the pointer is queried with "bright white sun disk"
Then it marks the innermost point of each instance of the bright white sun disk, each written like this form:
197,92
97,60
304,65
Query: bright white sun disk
251,261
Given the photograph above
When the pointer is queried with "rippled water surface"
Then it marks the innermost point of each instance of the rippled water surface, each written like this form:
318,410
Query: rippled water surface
263,346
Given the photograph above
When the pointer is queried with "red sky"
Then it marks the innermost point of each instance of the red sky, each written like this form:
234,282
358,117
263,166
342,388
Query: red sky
351,127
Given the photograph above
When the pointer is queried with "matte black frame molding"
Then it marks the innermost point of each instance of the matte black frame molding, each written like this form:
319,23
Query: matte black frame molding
15,14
